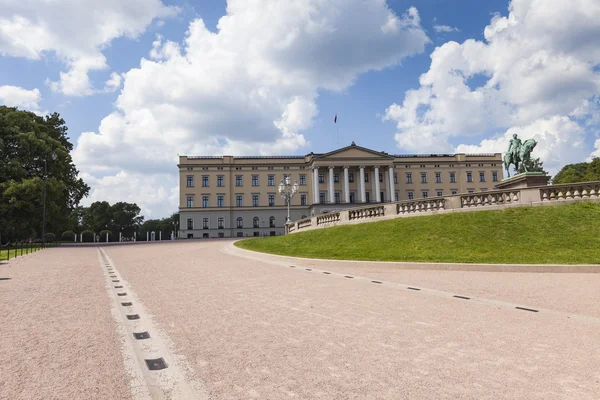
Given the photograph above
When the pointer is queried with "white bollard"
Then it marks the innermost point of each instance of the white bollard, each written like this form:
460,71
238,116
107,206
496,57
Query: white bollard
75,238
106,237
120,236
135,236
160,236
146,236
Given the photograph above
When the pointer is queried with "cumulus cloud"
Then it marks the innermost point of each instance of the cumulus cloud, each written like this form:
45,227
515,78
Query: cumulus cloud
536,69
15,96
75,32
249,88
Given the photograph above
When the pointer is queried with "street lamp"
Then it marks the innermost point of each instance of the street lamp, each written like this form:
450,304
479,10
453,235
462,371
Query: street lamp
287,192
44,208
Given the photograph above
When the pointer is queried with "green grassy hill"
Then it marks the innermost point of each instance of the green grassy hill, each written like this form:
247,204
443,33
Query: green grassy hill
567,234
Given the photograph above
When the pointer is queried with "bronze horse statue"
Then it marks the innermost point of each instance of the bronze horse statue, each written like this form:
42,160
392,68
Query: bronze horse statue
522,156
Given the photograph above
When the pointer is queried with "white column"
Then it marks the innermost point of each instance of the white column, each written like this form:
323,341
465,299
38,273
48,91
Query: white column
75,238
146,236
377,187
373,187
361,184
160,235
331,188
315,185
346,186
81,238
391,183
106,237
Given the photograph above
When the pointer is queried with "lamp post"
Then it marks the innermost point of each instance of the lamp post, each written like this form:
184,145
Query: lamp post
287,192
44,208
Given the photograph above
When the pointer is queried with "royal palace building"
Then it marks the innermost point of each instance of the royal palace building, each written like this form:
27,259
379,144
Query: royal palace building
237,196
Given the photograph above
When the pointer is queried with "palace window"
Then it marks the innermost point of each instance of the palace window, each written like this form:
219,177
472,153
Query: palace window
352,197
271,180
205,181
255,223
204,201
240,222
321,178
302,199
254,180
452,177
303,179
190,201
271,222
254,200
368,197
322,198
423,177
424,194
351,177
366,177
495,176
454,192
396,196
438,177
482,177
239,201
220,180
337,197
271,200
190,181
411,196
440,193
190,223
408,177
204,223
396,179
469,177
221,223
381,177
336,178
238,180
220,201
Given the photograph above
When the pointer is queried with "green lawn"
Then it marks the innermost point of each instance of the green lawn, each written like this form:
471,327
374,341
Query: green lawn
4,253
568,234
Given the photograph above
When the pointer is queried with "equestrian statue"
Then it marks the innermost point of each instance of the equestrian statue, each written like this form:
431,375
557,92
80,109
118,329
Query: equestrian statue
519,153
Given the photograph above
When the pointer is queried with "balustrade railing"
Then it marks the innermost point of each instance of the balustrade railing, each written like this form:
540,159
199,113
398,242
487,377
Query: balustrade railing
571,191
367,212
493,198
420,205
304,223
328,218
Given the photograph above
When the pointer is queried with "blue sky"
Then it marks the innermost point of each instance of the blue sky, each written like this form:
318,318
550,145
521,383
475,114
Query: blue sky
274,76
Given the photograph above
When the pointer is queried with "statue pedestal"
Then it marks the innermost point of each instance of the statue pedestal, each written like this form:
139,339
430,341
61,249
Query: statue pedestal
524,180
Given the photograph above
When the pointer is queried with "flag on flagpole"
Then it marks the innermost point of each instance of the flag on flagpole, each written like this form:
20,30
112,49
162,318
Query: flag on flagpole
335,119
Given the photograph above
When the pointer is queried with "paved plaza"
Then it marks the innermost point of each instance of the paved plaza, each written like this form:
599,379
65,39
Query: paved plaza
230,324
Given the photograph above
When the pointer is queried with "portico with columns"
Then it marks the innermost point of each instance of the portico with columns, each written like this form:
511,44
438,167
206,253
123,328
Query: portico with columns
351,176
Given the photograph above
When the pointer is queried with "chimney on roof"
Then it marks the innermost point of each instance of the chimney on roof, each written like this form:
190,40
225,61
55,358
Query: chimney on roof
353,144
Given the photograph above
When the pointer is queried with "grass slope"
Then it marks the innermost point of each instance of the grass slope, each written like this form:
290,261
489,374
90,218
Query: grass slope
568,234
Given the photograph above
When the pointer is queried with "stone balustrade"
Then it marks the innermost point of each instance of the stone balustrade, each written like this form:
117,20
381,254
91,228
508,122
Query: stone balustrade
328,218
366,212
492,198
420,205
495,200
571,191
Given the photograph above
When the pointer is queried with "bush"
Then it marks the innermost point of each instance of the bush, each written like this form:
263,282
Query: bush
88,236
68,236
50,237
103,235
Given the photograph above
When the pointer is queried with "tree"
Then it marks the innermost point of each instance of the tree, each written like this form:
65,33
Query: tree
27,142
581,172
126,218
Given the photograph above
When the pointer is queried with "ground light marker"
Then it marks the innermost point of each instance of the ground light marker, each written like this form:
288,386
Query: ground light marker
526,309
308,269
141,335
327,273
118,287
291,266
127,304
121,294
156,364
379,282
462,297
132,316
413,288
348,276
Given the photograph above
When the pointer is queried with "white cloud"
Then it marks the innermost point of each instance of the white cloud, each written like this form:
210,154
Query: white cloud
250,88
113,84
537,67
445,29
15,96
75,31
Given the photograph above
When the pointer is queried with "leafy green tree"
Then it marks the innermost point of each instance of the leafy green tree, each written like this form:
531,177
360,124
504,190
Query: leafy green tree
27,143
68,236
126,218
533,165
581,172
